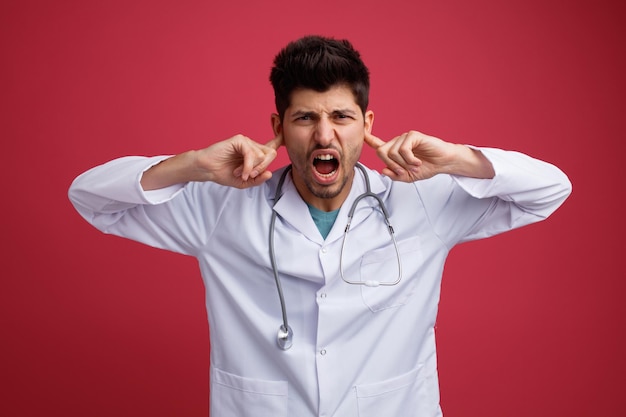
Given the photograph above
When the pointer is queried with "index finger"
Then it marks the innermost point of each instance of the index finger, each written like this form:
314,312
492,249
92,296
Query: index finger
277,142
373,141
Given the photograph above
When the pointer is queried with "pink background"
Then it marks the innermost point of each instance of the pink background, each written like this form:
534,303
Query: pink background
532,322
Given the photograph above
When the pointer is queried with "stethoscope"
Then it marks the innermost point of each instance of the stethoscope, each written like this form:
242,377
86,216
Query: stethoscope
285,334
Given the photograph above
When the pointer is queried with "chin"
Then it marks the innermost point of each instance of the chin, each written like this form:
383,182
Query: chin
327,191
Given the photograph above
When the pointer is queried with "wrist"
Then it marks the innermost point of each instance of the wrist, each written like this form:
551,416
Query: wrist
174,170
470,162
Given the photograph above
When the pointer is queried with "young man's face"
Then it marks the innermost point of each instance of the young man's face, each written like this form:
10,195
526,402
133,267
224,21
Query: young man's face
323,134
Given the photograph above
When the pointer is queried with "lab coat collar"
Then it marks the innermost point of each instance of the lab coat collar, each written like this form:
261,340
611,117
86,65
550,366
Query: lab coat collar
293,209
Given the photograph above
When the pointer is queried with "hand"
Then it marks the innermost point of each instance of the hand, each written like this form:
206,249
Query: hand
412,156
415,156
237,162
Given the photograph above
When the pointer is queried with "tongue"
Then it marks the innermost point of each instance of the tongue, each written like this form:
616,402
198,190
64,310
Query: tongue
325,167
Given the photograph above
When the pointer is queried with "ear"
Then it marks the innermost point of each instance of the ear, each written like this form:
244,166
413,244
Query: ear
277,126
369,121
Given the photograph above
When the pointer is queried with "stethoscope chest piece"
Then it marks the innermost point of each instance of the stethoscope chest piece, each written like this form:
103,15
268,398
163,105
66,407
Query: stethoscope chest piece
285,337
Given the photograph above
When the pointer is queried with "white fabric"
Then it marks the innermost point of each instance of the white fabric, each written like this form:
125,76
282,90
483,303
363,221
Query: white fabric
357,351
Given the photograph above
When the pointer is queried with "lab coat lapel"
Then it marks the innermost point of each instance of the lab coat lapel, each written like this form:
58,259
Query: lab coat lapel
292,209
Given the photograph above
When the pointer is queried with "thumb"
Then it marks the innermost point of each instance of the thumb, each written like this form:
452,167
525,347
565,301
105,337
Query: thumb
373,141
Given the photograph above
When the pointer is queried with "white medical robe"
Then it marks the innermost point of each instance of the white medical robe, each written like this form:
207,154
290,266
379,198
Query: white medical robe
358,351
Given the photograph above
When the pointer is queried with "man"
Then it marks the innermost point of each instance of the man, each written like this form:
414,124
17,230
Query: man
362,307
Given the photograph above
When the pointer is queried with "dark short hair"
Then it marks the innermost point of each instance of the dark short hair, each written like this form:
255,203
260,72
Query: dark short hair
318,63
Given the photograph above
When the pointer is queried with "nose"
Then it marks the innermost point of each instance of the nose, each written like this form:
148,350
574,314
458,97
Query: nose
324,131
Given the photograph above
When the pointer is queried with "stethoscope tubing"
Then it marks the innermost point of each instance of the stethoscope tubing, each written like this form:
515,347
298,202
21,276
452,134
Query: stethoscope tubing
285,333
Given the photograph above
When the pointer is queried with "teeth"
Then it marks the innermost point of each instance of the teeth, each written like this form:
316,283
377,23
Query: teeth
326,157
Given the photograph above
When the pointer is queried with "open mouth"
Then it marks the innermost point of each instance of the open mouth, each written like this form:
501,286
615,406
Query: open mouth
325,165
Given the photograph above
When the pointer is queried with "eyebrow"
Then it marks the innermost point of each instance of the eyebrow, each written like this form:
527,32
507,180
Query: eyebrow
349,112
346,111
302,113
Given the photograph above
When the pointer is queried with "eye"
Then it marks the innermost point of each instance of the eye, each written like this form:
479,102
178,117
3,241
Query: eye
343,117
303,117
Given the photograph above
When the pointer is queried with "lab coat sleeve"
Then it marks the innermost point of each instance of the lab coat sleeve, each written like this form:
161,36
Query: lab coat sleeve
523,191
110,198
